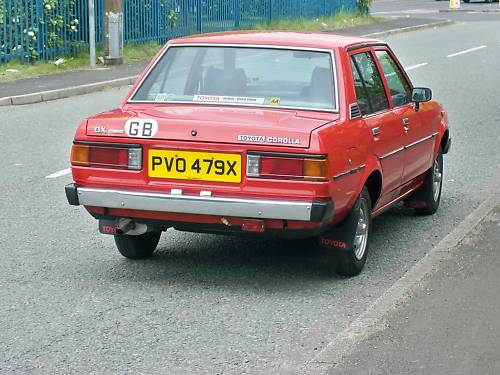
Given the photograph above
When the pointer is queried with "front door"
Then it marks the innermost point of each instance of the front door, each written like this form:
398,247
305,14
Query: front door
385,128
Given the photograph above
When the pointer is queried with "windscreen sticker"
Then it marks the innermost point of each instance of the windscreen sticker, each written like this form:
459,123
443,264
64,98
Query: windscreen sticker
275,101
228,99
163,97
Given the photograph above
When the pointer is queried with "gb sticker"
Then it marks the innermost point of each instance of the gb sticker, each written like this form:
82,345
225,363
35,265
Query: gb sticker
141,128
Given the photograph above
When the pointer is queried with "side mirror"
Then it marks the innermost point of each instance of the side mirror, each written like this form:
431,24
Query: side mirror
420,95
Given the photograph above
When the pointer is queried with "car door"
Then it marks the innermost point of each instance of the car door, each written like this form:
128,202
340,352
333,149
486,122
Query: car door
418,135
385,128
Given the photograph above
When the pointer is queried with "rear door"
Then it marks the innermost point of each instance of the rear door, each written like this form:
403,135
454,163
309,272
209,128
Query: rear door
388,135
418,134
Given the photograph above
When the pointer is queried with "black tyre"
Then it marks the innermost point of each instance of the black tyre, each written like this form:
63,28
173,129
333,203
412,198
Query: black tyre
351,262
430,191
137,247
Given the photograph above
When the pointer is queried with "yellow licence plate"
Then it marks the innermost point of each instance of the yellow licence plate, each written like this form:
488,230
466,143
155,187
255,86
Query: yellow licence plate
188,165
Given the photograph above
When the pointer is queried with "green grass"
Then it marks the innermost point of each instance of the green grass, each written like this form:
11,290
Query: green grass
136,52
341,20
131,53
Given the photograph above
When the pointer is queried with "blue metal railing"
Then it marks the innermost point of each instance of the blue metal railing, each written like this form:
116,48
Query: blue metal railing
46,29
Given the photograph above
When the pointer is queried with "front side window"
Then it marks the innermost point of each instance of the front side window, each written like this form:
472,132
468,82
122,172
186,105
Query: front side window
398,85
370,91
243,76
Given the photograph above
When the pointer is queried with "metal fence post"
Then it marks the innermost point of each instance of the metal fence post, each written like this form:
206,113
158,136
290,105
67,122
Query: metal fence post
199,27
39,22
3,43
156,19
270,10
237,15
92,34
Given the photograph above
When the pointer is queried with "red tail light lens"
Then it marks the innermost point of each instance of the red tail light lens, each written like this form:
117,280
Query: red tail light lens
287,166
107,156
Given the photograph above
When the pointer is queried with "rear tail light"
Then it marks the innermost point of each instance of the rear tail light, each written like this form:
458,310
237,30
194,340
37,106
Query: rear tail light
287,166
107,156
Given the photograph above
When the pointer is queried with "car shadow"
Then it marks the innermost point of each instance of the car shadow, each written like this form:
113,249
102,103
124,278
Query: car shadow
232,262
228,262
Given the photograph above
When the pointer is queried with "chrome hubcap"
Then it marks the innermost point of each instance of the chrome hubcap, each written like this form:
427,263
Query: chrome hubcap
361,237
436,180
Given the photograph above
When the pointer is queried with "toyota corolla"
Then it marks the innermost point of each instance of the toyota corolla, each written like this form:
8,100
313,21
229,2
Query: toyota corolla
292,135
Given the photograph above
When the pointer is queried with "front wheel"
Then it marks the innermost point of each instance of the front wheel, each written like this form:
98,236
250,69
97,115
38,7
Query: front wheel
137,247
351,262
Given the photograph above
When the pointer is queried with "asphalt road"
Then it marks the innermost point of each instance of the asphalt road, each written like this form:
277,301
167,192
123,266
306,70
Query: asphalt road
207,304
476,10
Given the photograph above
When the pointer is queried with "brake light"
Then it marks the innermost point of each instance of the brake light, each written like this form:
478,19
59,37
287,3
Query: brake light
275,166
287,166
107,156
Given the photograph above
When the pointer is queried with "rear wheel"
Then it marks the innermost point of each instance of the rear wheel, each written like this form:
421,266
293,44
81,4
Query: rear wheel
137,247
351,262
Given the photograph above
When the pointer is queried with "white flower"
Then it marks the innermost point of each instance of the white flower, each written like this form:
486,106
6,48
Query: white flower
31,34
73,27
75,21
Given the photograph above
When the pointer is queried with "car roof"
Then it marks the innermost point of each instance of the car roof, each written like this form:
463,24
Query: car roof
278,38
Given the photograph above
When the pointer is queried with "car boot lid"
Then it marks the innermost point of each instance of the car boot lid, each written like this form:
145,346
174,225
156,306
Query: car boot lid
211,124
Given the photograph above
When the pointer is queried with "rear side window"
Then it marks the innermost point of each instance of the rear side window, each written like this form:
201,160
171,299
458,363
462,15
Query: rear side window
370,91
398,85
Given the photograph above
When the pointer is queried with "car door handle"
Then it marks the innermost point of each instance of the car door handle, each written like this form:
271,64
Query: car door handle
376,132
406,122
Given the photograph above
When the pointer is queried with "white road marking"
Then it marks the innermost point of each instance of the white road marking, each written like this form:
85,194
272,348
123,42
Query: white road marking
64,172
416,66
467,51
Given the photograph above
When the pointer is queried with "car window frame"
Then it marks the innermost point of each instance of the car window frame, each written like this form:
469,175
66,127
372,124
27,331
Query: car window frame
370,50
333,63
384,79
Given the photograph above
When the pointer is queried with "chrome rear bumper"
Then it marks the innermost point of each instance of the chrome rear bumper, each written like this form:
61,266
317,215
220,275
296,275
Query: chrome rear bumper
316,211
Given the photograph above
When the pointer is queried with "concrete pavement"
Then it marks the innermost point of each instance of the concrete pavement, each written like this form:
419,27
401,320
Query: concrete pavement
451,326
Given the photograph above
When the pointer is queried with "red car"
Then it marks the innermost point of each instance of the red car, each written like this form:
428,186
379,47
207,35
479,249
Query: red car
294,135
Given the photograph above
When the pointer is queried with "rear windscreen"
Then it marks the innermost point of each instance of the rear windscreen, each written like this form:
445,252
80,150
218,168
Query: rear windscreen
242,76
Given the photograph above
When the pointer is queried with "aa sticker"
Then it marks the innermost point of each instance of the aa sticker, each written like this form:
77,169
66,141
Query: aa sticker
164,97
274,101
